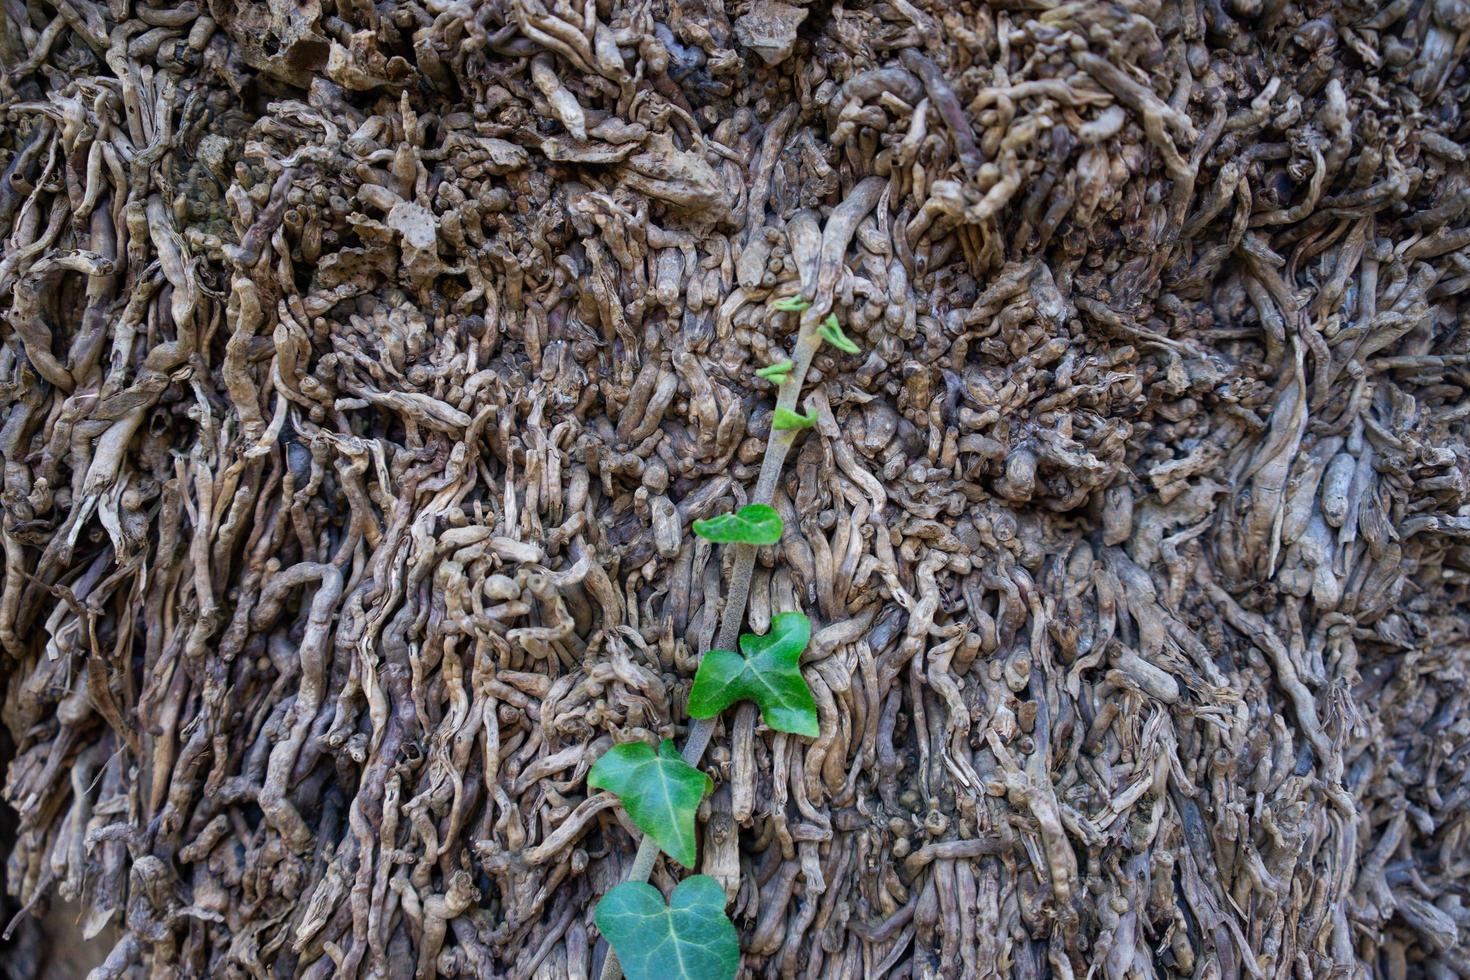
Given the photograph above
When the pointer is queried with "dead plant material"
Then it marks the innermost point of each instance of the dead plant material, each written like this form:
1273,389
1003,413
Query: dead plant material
364,366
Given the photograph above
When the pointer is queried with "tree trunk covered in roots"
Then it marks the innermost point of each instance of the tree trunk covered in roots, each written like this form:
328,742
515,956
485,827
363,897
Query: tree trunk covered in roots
364,367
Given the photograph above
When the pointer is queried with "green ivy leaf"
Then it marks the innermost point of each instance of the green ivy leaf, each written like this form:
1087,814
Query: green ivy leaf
831,332
751,524
659,792
691,938
768,674
791,304
785,418
775,373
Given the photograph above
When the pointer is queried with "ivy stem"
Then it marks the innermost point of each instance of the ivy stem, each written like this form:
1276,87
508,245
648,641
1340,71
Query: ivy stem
733,615
818,281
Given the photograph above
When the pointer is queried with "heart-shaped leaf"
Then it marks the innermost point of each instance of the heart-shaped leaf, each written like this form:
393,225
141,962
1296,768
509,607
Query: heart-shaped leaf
660,793
785,418
751,524
691,938
831,332
768,674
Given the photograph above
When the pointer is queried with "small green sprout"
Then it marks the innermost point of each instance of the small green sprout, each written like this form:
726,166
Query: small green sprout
660,793
792,304
690,938
785,418
769,674
831,332
752,524
776,373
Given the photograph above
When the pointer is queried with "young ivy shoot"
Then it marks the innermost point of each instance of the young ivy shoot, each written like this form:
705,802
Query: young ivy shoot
691,938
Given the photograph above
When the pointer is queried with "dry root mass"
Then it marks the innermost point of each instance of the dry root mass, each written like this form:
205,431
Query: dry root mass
363,367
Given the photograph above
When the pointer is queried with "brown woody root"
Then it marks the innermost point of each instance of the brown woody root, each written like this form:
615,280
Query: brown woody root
364,366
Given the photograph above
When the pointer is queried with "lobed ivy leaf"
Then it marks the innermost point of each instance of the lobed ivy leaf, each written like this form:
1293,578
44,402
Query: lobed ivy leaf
775,373
751,524
769,674
791,304
660,793
831,332
691,938
785,418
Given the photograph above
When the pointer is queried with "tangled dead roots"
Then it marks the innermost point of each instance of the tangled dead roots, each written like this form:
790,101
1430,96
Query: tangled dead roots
364,366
